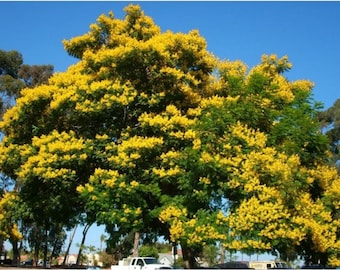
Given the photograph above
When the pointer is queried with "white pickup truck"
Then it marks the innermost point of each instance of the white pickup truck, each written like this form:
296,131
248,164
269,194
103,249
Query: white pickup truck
140,263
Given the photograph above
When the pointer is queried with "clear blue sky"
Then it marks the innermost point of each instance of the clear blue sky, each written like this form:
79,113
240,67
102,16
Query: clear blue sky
308,32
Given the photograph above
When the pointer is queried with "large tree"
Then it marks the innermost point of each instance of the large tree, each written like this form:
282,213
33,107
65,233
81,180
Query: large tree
158,136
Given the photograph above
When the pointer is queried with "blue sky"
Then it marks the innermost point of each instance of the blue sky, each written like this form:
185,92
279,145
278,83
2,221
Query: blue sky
308,32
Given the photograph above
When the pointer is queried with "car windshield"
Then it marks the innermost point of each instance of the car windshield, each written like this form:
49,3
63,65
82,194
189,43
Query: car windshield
150,260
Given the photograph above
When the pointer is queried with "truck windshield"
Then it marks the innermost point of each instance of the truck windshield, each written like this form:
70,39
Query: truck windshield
281,265
150,260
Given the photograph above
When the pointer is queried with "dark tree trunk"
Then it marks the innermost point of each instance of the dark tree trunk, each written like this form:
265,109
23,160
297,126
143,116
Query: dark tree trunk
45,248
16,253
86,228
189,257
69,245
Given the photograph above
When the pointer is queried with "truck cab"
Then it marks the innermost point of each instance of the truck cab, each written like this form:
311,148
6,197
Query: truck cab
140,263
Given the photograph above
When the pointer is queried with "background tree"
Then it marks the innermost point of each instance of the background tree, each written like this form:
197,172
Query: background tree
148,251
14,76
330,124
102,240
210,255
118,245
159,137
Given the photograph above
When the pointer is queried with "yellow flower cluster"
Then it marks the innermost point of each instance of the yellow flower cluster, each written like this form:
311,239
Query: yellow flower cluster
12,114
284,90
107,178
252,212
325,175
52,173
258,244
171,212
269,161
127,151
217,101
251,243
202,233
28,98
191,230
282,230
334,260
8,229
57,142
126,214
169,156
333,193
176,230
302,85
232,68
142,20
221,218
279,88
162,172
253,138
268,218
206,157
168,121
47,152
315,218
204,180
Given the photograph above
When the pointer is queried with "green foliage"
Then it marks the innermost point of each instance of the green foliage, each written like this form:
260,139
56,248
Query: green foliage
148,251
10,63
163,247
330,124
210,254
14,76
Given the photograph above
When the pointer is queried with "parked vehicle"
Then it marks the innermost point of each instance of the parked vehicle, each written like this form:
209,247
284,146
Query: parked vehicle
255,265
232,265
140,263
93,268
43,264
27,262
264,265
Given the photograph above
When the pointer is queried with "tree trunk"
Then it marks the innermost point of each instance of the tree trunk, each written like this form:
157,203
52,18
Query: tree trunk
188,257
135,245
222,257
45,248
69,245
16,253
86,228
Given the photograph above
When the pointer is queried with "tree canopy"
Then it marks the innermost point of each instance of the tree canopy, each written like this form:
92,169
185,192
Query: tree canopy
150,132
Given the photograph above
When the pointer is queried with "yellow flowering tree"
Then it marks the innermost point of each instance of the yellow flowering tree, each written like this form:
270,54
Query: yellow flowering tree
256,148
149,132
81,128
